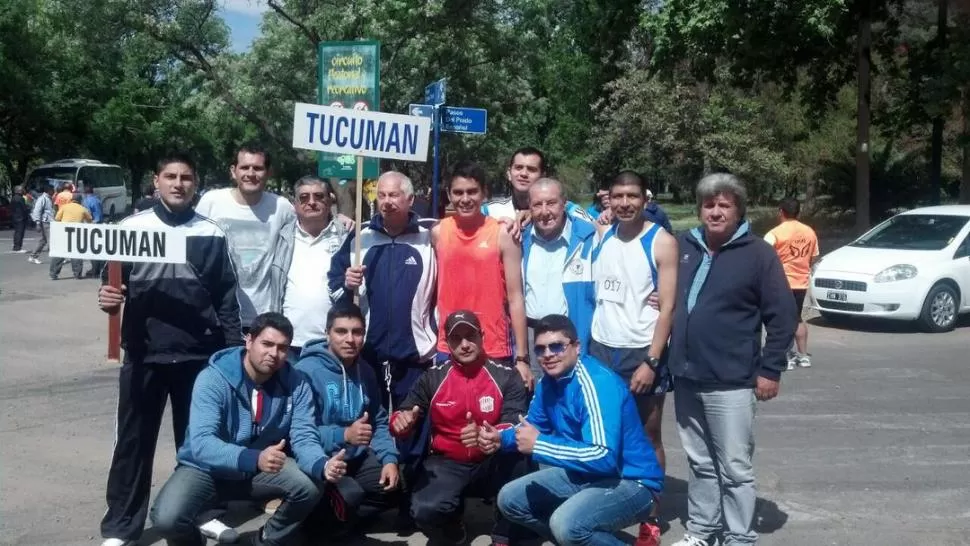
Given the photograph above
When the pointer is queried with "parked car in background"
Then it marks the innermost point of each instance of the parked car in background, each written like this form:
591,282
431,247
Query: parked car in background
913,266
108,181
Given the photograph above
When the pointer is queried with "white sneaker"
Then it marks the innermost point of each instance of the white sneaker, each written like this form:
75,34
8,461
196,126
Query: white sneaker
804,361
219,531
33,260
690,540
117,542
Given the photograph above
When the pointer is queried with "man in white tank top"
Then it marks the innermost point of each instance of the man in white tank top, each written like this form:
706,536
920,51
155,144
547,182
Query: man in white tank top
635,258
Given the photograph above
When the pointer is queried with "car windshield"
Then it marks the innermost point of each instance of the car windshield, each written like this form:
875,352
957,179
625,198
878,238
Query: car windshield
50,175
914,232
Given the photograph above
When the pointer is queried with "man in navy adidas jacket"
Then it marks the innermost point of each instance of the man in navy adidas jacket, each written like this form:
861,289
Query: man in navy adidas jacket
730,286
397,286
175,317
602,474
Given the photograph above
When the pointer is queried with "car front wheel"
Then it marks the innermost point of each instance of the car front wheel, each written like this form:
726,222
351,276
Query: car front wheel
940,309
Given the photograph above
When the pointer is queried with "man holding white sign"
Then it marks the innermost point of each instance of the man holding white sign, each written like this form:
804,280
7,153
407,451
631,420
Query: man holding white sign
179,291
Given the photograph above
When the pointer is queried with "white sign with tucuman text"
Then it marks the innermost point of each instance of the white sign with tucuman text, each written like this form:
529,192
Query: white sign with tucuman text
116,243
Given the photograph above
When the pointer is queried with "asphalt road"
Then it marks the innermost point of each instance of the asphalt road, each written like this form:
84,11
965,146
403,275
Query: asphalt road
869,446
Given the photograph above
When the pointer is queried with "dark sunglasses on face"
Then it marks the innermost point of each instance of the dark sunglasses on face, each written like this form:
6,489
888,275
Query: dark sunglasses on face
557,348
317,196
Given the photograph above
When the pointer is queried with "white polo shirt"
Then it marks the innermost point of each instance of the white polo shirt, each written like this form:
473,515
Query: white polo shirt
307,300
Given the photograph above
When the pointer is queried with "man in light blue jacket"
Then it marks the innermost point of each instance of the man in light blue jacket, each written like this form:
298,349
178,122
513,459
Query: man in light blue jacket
556,253
350,416
250,412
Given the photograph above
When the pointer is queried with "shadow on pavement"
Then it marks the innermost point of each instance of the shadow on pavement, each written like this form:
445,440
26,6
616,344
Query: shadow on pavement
876,326
769,518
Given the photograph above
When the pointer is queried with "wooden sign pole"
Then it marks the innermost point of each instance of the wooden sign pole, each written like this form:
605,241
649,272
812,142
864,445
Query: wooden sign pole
358,218
114,318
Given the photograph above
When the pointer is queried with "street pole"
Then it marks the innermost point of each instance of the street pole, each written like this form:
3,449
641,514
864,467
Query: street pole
435,174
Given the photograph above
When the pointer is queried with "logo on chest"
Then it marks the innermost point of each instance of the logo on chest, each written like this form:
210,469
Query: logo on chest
486,404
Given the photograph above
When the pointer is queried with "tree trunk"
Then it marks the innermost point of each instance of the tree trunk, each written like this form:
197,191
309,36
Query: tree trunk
936,147
965,179
862,120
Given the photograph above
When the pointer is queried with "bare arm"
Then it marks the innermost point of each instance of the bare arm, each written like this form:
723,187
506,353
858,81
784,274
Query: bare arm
512,263
665,251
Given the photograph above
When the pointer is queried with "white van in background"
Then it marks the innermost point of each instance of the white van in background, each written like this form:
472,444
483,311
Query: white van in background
108,182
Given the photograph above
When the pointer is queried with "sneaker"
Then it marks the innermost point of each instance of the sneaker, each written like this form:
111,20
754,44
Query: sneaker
690,540
219,531
21,251
649,534
804,361
34,260
117,542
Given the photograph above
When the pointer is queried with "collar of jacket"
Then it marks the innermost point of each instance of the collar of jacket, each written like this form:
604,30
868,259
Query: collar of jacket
377,223
171,218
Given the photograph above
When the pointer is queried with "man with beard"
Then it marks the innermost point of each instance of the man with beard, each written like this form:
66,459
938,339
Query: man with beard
458,396
175,317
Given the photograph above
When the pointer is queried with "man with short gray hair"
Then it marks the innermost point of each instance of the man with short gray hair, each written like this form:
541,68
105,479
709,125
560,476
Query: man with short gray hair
304,255
734,286
556,262
396,282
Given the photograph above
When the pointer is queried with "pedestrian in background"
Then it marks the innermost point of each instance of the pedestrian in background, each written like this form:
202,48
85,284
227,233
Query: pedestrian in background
93,203
18,216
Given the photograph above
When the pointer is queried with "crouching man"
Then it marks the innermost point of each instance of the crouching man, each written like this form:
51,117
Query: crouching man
458,396
351,419
249,412
582,422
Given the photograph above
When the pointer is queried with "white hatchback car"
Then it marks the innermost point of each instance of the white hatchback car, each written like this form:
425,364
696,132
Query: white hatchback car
914,266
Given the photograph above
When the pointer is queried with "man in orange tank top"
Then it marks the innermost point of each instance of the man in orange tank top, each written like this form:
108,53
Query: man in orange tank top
797,248
480,269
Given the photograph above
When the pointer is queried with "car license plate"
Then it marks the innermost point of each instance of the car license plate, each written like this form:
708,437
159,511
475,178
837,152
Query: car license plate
837,296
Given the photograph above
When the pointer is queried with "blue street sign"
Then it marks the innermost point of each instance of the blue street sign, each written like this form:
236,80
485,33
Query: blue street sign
434,93
456,119
422,110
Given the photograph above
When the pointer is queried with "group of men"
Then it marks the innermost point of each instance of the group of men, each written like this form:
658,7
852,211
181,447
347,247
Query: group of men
513,335
63,205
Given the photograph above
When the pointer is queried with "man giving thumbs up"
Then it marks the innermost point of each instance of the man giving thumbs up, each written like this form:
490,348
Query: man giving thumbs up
351,421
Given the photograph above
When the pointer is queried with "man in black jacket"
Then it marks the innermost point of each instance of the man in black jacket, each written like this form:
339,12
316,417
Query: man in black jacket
731,284
18,217
175,317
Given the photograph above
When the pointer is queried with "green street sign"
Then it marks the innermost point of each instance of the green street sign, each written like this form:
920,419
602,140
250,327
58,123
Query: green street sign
349,76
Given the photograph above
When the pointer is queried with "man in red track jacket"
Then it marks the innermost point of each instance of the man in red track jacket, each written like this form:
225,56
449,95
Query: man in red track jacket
458,396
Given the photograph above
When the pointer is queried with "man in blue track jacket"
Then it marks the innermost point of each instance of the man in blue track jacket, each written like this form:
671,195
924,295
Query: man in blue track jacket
249,412
582,422
556,262
350,416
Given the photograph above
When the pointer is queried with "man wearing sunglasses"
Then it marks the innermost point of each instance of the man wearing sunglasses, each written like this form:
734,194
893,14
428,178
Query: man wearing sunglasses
467,391
304,254
601,473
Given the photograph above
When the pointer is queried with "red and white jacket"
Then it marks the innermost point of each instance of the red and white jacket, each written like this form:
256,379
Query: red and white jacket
446,393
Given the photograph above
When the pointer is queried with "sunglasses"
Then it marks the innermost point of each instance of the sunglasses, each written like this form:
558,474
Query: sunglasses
317,196
557,348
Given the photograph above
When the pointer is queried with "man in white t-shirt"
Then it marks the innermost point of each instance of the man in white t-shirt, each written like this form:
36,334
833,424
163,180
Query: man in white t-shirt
304,255
253,220
635,258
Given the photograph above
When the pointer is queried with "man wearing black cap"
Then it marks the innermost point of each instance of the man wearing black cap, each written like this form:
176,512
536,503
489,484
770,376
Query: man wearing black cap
458,396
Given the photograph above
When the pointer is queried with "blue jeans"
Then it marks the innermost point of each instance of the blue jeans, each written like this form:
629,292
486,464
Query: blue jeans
575,509
189,492
717,431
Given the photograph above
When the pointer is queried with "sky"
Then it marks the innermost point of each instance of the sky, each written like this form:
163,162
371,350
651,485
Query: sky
243,17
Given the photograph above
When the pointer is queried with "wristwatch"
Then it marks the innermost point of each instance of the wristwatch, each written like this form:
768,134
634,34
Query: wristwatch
653,362
523,359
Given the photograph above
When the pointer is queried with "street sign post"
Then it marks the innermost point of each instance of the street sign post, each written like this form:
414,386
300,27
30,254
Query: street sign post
434,93
456,119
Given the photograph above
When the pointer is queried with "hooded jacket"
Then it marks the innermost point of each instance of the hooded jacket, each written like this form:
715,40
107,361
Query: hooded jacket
577,276
224,439
723,301
341,397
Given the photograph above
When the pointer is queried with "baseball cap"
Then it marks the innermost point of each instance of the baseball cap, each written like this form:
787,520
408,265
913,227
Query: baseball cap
460,317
